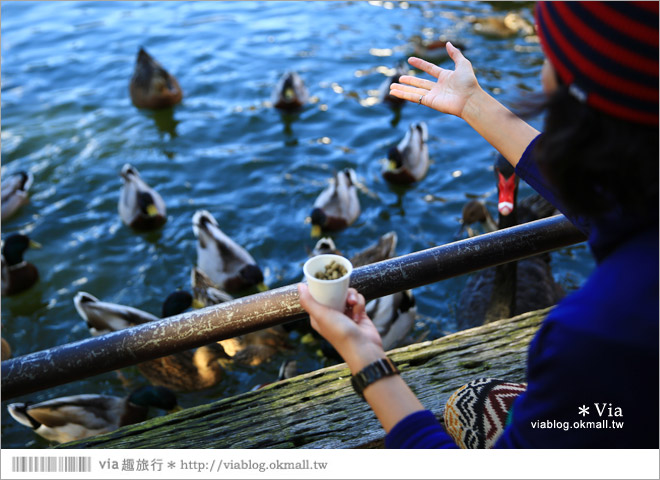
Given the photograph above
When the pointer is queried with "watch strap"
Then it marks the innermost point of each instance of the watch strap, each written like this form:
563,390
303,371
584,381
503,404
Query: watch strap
381,368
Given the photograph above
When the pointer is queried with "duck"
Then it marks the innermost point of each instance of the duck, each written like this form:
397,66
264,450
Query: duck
384,95
151,85
186,371
290,93
105,317
251,349
338,205
515,287
432,50
140,206
325,245
223,260
15,193
508,26
18,275
394,317
75,417
408,162
383,249
205,291
6,349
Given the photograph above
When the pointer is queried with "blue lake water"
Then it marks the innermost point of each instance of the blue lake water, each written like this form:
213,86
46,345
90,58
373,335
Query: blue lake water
68,119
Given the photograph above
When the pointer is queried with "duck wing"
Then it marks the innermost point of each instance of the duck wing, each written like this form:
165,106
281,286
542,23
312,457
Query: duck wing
382,250
94,412
414,150
105,317
133,188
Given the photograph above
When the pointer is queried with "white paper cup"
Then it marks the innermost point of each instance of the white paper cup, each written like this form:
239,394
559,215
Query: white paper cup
331,293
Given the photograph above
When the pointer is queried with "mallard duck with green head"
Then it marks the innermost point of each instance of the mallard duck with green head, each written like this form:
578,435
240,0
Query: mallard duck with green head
140,206
408,161
66,419
15,193
223,260
338,205
151,85
18,275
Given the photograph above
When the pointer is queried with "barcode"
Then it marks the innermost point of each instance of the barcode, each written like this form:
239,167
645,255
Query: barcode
51,464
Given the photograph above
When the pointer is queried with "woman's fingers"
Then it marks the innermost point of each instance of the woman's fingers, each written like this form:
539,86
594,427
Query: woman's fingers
416,82
425,66
407,93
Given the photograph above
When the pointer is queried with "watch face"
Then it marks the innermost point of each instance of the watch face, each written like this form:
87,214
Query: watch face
379,369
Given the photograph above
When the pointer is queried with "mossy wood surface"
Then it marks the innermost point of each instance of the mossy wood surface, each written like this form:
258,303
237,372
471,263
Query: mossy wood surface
320,410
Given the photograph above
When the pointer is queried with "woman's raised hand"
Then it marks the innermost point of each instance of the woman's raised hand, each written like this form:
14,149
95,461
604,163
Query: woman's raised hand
449,94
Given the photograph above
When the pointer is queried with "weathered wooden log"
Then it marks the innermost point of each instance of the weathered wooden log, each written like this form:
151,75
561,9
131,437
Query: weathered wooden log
320,410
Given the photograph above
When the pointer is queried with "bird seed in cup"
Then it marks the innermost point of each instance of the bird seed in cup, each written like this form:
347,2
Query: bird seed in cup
333,271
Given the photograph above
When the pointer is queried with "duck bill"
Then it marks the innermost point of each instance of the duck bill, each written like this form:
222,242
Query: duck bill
196,304
178,408
152,211
316,231
507,191
262,287
34,244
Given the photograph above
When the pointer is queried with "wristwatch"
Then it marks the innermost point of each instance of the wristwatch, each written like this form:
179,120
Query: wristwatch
373,372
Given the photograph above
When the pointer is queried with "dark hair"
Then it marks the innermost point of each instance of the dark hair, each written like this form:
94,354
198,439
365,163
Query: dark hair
596,161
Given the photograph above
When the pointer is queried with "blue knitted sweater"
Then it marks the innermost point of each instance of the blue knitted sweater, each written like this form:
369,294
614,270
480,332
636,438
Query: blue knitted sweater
597,350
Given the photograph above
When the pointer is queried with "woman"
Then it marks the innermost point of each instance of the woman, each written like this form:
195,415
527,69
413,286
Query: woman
595,357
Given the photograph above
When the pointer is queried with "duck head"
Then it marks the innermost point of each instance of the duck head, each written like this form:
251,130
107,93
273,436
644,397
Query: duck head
15,246
153,396
318,219
178,302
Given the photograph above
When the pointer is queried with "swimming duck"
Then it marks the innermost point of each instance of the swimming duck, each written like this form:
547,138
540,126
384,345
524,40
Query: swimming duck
290,92
394,316
323,246
105,317
181,371
384,89
432,50
66,419
205,291
249,349
408,161
6,349
224,261
14,193
503,27
337,206
140,206
151,85
383,249
17,274
515,287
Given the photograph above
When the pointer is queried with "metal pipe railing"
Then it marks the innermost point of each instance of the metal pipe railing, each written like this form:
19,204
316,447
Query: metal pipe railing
95,355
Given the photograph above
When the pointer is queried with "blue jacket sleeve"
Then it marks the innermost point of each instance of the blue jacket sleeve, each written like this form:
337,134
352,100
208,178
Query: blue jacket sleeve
530,173
419,430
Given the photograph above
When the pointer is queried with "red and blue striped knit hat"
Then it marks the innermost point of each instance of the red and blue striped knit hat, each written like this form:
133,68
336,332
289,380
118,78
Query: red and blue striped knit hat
606,52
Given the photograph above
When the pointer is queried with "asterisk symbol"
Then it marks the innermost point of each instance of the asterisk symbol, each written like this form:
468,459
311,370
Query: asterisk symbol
171,464
584,410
